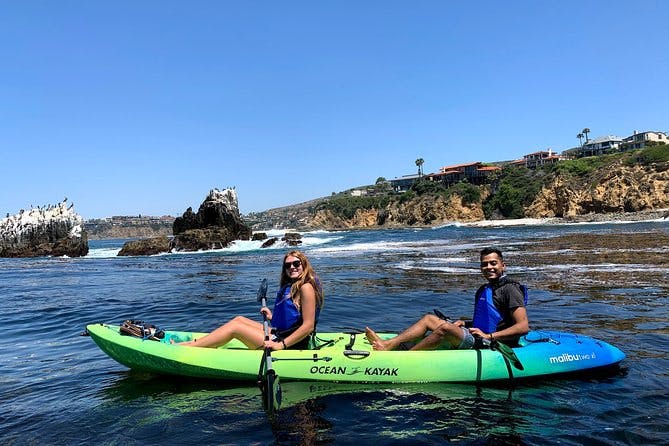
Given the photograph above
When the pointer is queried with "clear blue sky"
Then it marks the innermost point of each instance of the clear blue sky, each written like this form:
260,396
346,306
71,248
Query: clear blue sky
141,107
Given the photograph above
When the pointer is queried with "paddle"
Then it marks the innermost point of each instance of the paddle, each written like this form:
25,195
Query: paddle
269,381
495,345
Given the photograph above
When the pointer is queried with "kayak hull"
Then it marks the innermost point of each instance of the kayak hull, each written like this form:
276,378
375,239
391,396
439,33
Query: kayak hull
346,357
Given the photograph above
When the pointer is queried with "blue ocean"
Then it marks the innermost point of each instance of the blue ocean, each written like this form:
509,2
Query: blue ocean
606,280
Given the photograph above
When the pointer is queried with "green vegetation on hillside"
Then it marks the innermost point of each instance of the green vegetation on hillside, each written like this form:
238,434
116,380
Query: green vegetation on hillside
469,193
655,153
516,188
345,205
582,166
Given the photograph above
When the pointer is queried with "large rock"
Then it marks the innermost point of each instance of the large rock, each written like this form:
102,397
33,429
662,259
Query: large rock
43,231
146,247
215,225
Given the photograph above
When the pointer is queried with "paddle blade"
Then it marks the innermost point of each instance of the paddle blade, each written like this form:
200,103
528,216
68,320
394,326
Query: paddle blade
262,291
271,392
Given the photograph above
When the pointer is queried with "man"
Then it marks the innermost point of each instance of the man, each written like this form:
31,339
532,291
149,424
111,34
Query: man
499,313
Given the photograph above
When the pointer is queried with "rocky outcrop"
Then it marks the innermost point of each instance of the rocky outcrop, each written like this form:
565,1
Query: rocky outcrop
146,247
43,231
215,225
421,211
292,238
620,188
431,210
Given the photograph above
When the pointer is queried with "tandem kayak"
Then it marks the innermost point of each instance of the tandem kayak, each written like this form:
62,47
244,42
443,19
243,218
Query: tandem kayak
348,357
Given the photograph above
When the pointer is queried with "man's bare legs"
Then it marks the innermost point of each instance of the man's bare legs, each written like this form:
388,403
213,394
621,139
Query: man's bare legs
247,331
441,331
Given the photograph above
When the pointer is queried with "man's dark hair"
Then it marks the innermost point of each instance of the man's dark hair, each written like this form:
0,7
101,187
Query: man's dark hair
488,251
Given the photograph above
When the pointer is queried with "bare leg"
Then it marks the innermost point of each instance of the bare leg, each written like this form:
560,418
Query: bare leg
247,331
446,332
441,331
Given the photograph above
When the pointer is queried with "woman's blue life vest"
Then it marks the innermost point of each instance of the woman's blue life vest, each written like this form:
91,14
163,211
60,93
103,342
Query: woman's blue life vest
286,316
486,315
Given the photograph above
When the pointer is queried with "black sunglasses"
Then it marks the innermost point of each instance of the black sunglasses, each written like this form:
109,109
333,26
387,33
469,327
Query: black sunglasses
294,264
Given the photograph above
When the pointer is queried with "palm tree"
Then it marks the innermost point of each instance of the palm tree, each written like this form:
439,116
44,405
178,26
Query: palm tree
580,139
419,163
585,131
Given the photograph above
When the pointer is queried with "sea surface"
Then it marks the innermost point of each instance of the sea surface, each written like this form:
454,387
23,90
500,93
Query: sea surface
606,280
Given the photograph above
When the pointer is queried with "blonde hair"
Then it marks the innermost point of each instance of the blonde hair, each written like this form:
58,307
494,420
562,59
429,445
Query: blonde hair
308,276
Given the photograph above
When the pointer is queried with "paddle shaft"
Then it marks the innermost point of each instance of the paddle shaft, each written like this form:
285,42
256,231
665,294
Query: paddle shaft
265,323
270,380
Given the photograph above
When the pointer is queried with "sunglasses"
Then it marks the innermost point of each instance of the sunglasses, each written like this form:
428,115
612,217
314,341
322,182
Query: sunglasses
294,264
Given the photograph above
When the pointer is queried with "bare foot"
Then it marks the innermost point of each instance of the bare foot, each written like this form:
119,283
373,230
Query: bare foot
374,339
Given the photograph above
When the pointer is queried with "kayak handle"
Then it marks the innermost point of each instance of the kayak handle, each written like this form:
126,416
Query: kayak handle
356,354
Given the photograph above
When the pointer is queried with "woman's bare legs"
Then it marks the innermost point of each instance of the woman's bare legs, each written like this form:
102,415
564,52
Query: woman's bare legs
247,331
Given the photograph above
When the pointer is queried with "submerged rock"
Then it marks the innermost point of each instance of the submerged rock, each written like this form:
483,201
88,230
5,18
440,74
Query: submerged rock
269,242
43,231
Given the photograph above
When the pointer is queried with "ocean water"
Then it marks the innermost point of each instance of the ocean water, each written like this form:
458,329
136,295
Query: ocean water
608,280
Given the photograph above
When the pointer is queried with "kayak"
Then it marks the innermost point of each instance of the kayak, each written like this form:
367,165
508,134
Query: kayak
349,357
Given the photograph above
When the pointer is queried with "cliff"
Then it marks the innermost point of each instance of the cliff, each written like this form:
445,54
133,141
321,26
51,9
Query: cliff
616,186
615,189
43,231
425,210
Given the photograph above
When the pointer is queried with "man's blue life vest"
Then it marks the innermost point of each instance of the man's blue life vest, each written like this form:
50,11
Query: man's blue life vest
486,315
286,315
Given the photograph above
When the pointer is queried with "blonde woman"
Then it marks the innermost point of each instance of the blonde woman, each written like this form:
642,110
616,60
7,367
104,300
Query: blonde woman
296,310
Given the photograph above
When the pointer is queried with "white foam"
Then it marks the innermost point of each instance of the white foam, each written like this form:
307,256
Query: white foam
102,253
511,222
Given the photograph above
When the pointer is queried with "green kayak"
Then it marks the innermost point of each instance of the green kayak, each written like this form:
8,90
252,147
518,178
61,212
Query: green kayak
348,357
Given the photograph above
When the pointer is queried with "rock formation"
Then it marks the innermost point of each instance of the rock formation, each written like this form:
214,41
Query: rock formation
292,238
146,247
43,231
425,210
215,225
619,189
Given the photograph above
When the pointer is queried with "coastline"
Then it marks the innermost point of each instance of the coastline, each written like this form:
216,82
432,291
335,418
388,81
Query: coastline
660,215
613,217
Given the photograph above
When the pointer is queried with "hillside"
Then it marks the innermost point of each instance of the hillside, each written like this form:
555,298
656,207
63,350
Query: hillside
584,189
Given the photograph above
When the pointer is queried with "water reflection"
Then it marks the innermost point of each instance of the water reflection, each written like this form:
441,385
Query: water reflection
418,413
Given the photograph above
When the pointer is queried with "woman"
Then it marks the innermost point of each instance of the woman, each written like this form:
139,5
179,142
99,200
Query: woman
296,309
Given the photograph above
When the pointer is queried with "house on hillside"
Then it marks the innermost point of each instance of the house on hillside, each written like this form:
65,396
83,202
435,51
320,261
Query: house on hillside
474,173
404,183
538,159
639,140
600,146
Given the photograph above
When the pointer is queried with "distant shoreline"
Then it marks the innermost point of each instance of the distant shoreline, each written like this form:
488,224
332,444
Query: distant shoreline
613,217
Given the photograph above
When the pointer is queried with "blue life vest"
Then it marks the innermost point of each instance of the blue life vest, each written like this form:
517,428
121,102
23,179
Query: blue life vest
486,315
286,315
